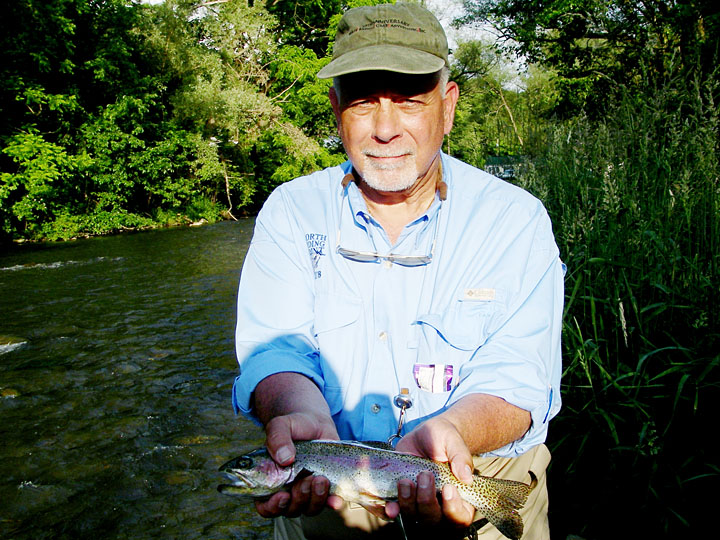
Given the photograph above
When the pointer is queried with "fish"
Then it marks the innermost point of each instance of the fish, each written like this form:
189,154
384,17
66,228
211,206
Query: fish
367,474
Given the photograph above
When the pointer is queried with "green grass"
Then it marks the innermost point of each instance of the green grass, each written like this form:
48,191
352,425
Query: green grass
634,199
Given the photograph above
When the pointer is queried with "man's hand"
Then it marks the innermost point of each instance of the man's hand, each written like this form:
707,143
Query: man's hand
474,424
308,495
439,440
293,409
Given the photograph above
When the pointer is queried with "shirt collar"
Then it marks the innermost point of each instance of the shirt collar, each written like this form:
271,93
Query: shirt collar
362,217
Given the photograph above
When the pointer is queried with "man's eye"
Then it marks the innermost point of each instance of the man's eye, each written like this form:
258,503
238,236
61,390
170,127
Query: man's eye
361,103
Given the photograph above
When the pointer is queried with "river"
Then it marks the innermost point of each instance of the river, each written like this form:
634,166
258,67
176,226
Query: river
116,363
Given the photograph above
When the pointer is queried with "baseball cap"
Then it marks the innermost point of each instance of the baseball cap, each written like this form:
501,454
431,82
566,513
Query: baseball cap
405,38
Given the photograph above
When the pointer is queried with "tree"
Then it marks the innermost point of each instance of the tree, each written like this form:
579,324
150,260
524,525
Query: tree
595,46
503,107
118,114
304,23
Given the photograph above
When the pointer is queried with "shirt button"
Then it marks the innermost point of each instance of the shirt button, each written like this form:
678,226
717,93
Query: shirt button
387,264
375,408
382,336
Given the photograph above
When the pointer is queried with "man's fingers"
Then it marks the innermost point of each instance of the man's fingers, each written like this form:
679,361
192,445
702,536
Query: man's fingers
461,469
418,502
392,509
428,507
307,496
336,503
406,499
300,497
274,506
319,491
454,508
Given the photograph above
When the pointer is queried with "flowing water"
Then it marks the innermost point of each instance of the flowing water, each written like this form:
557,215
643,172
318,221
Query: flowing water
116,363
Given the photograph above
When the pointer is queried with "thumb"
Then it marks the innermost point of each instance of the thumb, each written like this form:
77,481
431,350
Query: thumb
279,442
460,459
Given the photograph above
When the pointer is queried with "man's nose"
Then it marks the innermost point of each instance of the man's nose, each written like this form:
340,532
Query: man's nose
387,122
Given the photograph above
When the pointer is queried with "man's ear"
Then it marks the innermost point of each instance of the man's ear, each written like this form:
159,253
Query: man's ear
452,93
335,102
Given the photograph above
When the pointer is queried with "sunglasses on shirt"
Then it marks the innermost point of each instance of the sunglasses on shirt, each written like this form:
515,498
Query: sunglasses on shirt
373,256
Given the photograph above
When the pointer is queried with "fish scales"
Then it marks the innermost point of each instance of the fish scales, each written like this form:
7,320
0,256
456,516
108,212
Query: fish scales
368,475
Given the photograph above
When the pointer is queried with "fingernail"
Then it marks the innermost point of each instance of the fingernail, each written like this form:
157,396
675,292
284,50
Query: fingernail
404,491
423,481
447,493
468,476
283,503
319,488
305,487
284,454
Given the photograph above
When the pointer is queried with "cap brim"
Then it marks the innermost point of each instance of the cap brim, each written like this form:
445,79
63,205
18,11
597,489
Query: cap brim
383,58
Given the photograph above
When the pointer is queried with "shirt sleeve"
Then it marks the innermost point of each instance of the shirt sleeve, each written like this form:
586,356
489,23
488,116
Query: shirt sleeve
520,361
270,336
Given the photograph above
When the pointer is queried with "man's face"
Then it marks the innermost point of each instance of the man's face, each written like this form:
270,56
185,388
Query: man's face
392,125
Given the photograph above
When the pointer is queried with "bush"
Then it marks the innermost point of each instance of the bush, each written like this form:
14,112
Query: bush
635,202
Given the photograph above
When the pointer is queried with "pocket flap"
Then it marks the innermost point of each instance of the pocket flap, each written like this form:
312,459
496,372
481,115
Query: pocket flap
465,325
334,311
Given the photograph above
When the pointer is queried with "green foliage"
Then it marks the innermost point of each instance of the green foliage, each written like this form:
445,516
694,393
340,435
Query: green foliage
304,23
303,97
120,115
35,190
67,226
635,200
501,112
599,46
273,166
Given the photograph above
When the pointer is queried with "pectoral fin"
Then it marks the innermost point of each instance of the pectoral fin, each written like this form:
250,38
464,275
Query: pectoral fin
376,509
372,503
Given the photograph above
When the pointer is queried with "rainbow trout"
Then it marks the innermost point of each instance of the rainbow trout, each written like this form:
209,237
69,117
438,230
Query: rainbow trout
368,475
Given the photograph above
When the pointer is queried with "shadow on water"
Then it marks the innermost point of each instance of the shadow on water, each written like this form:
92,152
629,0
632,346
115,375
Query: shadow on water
116,364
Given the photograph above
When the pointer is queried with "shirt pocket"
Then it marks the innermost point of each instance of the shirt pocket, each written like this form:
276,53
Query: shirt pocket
451,338
335,311
338,339
464,326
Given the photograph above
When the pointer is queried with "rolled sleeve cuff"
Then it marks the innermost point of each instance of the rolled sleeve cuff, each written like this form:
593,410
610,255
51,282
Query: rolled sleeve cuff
263,365
540,414
541,411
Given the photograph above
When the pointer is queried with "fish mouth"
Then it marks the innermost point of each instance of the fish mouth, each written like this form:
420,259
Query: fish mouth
237,480
234,489
238,485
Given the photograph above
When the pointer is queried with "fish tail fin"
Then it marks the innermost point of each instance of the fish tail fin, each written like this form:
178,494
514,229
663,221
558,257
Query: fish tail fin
500,500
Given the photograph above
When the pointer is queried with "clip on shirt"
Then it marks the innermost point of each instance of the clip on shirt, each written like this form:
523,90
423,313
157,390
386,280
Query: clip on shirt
403,401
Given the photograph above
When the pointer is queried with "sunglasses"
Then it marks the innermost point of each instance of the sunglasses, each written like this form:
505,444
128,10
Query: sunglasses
372,256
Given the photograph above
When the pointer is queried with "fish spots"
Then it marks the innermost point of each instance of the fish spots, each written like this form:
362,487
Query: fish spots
369,475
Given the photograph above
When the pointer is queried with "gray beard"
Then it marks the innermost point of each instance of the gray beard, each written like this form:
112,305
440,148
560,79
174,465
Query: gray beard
391,178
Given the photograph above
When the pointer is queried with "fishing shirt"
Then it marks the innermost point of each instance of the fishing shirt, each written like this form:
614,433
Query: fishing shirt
483,316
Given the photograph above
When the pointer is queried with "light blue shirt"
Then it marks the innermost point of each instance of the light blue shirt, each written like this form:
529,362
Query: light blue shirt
484,316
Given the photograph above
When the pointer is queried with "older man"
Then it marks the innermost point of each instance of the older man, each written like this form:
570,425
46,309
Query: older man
401,273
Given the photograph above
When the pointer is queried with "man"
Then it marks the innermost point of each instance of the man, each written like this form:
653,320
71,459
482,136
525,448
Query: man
407,273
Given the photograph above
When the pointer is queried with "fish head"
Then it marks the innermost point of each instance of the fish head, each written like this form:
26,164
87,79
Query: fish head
255,475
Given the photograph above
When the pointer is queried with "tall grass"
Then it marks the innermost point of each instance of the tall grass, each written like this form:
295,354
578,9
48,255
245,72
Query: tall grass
635,200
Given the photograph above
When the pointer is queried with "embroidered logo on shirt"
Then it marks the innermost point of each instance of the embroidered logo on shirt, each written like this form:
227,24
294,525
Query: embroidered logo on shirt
479,294
316,248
